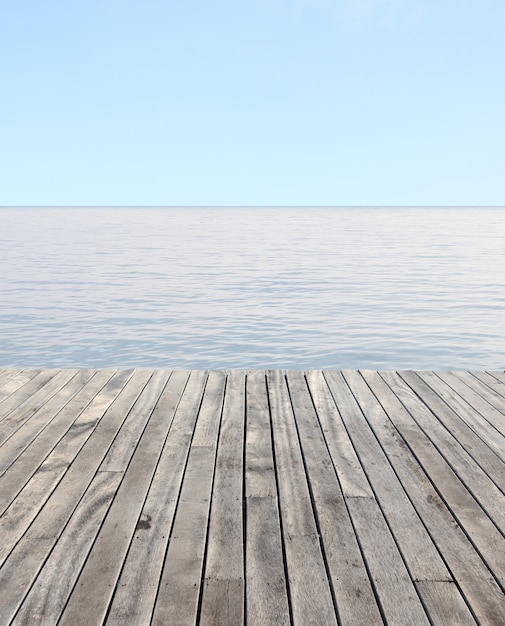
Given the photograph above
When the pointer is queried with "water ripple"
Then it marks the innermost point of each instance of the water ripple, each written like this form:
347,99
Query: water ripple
259,288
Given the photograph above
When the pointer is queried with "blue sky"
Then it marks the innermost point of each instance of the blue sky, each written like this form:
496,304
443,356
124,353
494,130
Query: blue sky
264,102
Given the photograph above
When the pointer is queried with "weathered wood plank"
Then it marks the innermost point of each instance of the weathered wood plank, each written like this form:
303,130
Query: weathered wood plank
483,533
18,416
310,591
487,458
41,420
267,595
90,599
351,475
138,584
487,494
28,555
490,381
354,596
12,380
26,392
224,584
499,375
52,587
489,404
400,602
120,452
469,571
6,375
266,498
488,433
19,515
69,431
382,541
362,413
179,590
444,603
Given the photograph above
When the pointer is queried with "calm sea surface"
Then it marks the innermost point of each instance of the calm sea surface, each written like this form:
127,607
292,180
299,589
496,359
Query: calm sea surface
253,288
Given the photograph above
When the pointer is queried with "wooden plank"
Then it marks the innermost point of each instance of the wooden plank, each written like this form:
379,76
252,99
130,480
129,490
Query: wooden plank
493,438
25,392
136,591
464,563
28,555
12,380
310,592
223,602
87,527
120,452
362,410
48,595
468,438
260,481
90,600
22,438
487,494
179,590
400,602
354,596
69,431
490,381
18,416
385,544
488,403
223,590
484,534
351,475
23,510
444,603
267,594
291,500
6,375
499,375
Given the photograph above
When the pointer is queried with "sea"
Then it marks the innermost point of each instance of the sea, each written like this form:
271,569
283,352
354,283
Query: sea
253,287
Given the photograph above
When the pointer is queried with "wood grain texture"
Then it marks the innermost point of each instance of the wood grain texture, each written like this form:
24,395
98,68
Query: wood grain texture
223,592
444,603
109,550
400,399
12,380
487,458
35,403
421,556
138,583
30,552
210,498
309,587
484,404
351,476
52,587
398,597
267,594
28,459
354,596
470,415
25,391
70,400
179,589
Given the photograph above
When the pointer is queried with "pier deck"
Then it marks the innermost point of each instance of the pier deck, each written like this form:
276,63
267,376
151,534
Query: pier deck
319,497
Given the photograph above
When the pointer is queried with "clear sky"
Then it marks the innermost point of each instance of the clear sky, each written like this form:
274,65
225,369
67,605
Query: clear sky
257,102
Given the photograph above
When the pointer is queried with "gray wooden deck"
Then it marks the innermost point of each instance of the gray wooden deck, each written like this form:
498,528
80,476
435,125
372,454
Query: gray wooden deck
157,497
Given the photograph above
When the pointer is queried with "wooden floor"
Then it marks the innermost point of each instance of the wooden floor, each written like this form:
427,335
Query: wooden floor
318,497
